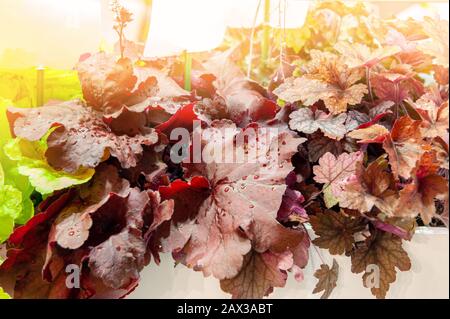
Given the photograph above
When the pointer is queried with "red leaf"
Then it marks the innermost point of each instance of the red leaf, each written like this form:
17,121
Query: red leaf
373,121
183,118
404,146
20,233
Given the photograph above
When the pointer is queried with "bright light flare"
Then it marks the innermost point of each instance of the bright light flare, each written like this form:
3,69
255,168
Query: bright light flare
179,25
49,32
283,13
419,11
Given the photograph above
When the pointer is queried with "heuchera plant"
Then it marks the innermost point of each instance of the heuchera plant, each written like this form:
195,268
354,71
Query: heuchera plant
359,107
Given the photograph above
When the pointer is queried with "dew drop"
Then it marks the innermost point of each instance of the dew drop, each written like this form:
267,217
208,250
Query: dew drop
256,177
226,190
71,233
251,206
244,178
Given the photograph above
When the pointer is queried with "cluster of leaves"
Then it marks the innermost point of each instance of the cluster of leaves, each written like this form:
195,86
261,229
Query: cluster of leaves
362,156
376,118
109,146
17,87
16,206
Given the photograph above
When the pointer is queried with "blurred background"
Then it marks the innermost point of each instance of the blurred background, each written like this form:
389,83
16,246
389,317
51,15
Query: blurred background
54,33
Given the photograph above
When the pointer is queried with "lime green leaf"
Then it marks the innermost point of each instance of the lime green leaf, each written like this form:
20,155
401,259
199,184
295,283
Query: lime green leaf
22,184
10,209
6,227
4,125
4,295
281,103
2,175
32,163
9,174
10,201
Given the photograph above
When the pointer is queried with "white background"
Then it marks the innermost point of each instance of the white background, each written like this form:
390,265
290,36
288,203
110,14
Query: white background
428,277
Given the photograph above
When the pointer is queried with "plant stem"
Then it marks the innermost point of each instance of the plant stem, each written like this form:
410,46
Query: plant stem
252,39
119,32
315,248
187,70
369,85
266,31
40,86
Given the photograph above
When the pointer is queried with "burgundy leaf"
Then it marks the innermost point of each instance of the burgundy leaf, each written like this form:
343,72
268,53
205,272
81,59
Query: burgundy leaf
245,197
81,137
260,273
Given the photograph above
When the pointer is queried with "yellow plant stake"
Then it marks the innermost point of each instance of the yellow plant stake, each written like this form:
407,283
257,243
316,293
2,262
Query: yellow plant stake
187,70
266,33
40,73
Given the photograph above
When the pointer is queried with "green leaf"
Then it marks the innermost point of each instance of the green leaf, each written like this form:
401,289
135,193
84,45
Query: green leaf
281,103
10,201
4,295
22,184
31,162
4,125
2,175
6,227
10,209
9,174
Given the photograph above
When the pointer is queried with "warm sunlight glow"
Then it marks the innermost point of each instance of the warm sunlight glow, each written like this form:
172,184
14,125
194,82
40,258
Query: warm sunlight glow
49,32
418,11
178,25
283,13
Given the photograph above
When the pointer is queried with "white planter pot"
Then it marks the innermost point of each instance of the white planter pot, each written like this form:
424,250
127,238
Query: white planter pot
428,277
